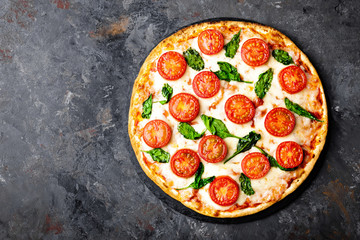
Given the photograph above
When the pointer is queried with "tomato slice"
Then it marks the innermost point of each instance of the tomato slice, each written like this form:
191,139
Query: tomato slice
184,163
210,41
212,149
289,154
255,52
280,122
224,191
292,79
206,84
184,107
239,109
157,133
171,65
255,165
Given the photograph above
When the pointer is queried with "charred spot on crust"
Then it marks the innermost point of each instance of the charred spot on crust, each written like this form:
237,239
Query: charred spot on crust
313,143
319,97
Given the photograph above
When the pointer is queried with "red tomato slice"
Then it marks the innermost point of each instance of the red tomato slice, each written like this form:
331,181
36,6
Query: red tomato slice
292,79
184,163
212,149
239,109
289,154
184,107
157,133
206,84
255,52
210,41
280,122
224,191
255,165
171,65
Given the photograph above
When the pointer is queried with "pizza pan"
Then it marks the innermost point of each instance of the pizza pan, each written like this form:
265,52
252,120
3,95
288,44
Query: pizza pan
177,206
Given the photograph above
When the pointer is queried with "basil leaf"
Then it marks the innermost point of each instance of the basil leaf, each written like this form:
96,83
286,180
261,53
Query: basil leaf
159,155
282,56
227,67
147,107
232,46
245,185
167,92
228,73
222,75
245,144
189,132
208,123
198,182
216,127
204,181
273,162
199,173
296,108
264,83
194,59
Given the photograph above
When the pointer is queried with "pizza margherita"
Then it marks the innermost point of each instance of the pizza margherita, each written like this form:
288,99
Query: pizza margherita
227,117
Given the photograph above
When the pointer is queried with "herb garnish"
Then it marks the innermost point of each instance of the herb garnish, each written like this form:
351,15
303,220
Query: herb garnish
264,83
232,46
282,56
228,73
147,107
245,185
167,92
296,108
217,127
273,162
159,155
199,183
189,132
245,144
193,59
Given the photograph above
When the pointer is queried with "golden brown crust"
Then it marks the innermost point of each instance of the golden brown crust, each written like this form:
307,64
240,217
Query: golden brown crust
275,39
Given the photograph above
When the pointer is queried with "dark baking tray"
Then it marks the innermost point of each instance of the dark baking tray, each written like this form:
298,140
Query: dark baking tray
177,206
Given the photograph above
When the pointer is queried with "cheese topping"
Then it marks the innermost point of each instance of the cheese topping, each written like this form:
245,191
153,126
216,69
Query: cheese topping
275,180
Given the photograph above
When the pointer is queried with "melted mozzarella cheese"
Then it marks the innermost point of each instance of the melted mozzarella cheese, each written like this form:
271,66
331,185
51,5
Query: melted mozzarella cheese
274,98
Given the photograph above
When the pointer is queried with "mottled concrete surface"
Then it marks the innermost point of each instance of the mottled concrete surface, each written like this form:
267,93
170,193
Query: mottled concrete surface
67,170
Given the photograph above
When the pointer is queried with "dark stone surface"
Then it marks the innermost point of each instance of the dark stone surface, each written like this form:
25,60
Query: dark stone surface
67,170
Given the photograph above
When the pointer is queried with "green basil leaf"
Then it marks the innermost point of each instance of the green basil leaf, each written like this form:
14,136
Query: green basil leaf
203,182
208,123
193,59
282,56
245,144
159,155
167,92
189,132
222,75
221,129
228,73
227,67
198,182
296,108
216,127
147,107
264,83
273,162
199,173
245,185
232,46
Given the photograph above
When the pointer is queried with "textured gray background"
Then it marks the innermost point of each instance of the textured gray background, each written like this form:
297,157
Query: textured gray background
67,170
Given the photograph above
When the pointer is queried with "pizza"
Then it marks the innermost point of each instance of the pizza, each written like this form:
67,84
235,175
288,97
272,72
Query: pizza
227,117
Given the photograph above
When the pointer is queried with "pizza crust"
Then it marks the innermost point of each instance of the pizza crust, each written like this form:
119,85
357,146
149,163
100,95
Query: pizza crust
272,36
